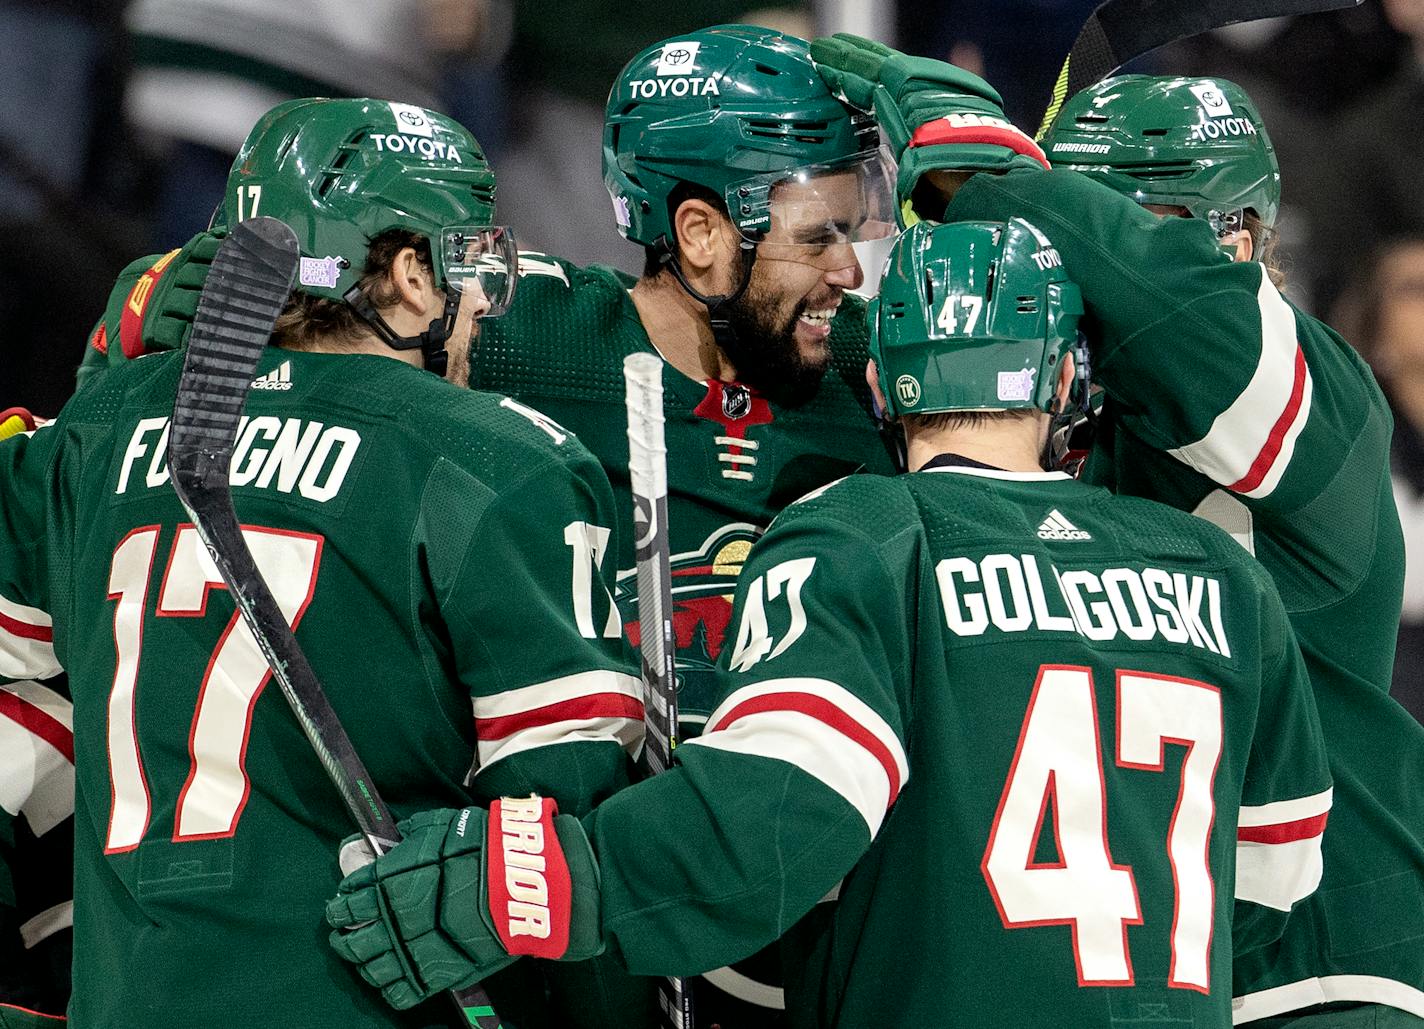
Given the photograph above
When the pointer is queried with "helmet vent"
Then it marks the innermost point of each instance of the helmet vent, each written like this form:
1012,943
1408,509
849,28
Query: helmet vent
1091,119
1154,132
767,70
801,131
1028,304
893,310
344,153
1173,170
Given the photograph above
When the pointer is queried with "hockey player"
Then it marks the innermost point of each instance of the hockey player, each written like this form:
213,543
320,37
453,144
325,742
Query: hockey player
1025,729
1320,519
747,183
435,549
1227,401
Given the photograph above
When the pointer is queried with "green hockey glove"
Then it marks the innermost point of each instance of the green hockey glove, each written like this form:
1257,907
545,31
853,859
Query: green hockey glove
935,116
464,894
152,304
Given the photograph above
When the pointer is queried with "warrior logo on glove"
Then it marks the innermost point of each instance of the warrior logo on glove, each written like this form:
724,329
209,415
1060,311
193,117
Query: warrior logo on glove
529,890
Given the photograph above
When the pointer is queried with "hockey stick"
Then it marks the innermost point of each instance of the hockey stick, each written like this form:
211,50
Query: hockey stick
647,474
245,290
1119,31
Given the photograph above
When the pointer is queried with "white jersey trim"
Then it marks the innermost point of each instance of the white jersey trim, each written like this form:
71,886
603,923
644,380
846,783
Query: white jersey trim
26,642
47,923
1359,989
1286,810
36,778
1250,444
1277,875
747,989
597,706
867,774
999,473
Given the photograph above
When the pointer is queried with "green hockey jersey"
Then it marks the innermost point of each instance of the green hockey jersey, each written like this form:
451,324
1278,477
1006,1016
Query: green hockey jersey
1038,734
436,551
734,459
1227,401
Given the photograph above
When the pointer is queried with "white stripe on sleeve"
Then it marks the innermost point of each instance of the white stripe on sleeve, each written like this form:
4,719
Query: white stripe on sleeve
821,728
36,775
26,642
1250,444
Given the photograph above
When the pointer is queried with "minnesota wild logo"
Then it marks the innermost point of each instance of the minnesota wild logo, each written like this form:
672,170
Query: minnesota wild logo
703,581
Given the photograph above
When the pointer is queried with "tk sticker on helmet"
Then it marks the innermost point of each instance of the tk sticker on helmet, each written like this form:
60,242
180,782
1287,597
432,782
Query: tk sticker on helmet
908,388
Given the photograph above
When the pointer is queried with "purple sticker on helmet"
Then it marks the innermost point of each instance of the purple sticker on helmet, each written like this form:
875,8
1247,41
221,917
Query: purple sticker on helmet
319,271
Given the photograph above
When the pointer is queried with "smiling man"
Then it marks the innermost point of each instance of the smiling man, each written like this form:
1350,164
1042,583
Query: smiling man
749,186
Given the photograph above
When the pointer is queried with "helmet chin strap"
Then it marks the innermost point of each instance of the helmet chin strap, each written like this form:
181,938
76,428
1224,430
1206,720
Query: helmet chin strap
431,342
719,306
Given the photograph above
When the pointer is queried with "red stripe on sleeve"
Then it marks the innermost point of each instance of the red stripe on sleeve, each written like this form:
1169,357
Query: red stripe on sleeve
598,705
39,722
1259,467
15,627
824,711
1285,832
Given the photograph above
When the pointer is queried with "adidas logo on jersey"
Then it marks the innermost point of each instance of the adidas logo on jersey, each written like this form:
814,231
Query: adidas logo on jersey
1056,527
278,378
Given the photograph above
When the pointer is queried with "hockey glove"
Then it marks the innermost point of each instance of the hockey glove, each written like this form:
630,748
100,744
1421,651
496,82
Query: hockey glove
464,894
936,117
152,304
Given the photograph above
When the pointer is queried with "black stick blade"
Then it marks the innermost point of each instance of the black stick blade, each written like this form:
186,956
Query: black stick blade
1119,31
245,291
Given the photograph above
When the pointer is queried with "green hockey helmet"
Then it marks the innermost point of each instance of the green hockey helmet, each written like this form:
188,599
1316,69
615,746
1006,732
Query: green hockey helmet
972,316
741,111
1197,143
341,172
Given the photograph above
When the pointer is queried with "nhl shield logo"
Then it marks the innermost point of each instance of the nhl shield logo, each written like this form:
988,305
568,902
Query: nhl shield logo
736,400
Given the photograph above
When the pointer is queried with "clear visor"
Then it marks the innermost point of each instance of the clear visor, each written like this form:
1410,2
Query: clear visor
481,264
816,214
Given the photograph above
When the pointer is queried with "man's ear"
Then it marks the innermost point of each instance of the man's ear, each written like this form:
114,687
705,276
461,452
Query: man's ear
1067,372
872,378
411,281
1244,244
703,236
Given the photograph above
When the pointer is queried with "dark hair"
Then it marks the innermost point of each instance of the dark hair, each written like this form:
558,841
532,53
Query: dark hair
681,193
1264,240
309,321
943,420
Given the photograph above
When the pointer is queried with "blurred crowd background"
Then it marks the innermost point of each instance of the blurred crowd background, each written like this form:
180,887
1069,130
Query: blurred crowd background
118,121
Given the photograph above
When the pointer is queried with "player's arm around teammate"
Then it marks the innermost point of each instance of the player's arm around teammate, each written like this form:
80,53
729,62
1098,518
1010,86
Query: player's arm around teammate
868,724
1227,401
